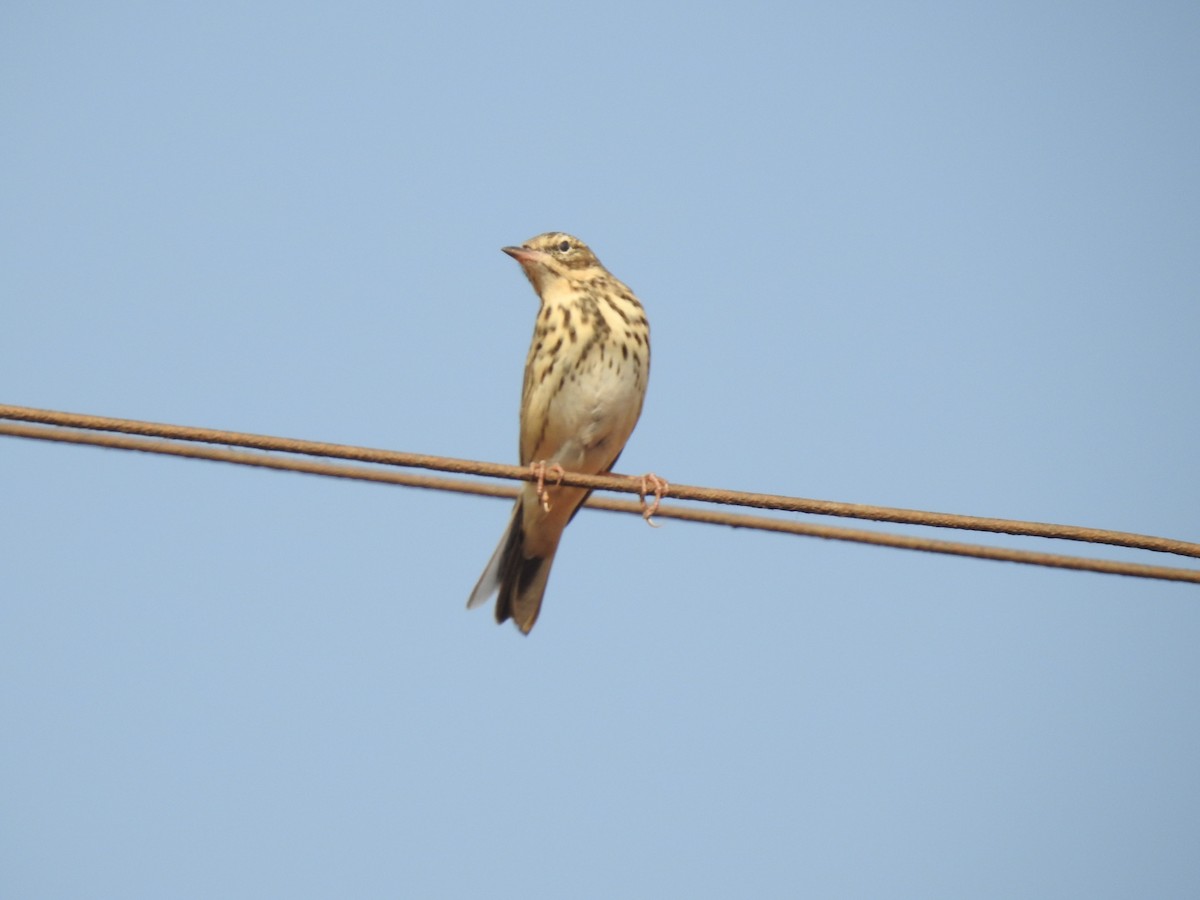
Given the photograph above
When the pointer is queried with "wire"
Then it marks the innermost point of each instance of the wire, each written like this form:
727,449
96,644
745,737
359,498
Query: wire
620,483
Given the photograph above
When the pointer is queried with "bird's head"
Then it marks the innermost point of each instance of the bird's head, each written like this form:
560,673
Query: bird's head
554,255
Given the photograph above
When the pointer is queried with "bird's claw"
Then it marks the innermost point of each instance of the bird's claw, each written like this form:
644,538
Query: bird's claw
651,483
540,469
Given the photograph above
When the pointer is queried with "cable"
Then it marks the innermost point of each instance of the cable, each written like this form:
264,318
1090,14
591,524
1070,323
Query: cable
619,483
337,470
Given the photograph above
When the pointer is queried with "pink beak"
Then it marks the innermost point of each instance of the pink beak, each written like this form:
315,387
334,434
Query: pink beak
523,255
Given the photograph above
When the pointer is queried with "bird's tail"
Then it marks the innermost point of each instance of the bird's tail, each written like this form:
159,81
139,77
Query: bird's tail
520,579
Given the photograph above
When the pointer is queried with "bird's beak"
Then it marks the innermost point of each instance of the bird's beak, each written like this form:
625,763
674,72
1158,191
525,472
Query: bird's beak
523,255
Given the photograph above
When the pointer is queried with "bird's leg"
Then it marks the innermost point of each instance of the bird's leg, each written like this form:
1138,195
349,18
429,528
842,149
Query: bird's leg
651,482
540,469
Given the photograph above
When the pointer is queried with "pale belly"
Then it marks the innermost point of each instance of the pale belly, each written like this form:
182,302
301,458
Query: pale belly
589,418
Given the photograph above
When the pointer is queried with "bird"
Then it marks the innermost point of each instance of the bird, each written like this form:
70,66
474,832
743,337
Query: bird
585,382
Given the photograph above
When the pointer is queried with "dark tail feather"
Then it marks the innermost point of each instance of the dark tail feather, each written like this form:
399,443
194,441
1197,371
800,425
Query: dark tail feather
521,581
522,588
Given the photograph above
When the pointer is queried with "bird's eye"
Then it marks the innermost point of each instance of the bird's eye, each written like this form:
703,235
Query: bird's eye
564,246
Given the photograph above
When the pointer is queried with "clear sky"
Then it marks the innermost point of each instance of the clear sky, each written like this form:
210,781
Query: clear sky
933,255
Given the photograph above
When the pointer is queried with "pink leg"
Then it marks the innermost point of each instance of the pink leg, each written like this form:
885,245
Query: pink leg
540,469
651,482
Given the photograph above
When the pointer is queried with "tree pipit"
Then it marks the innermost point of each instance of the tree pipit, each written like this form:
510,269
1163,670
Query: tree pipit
585,379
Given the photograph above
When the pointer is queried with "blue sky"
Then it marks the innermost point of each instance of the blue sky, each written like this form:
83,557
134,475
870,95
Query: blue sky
940,256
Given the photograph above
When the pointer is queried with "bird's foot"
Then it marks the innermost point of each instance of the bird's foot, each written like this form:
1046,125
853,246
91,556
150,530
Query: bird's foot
651,483
540,469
